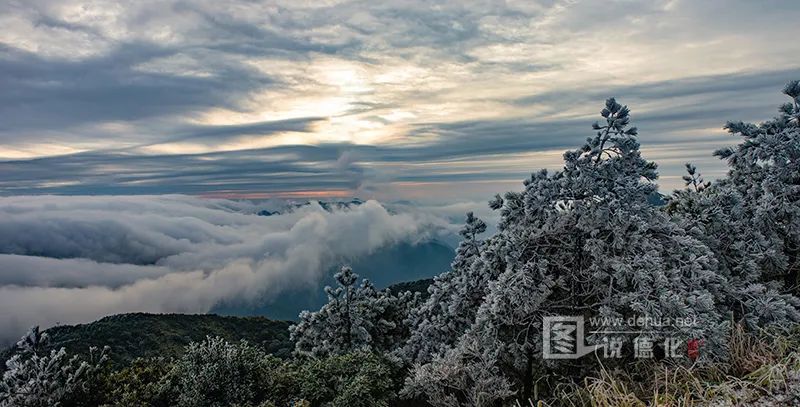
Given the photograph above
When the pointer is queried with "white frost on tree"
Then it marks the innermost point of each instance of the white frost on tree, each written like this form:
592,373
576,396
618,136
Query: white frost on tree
38,377
455,297
464,376
585,241
765,170
215,372
355,318
751,218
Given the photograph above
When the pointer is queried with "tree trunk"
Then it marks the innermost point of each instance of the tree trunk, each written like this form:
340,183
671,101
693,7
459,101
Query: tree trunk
527,384
792,278
348,322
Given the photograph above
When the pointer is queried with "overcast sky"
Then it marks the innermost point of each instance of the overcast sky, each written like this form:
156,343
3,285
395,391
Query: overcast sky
389,100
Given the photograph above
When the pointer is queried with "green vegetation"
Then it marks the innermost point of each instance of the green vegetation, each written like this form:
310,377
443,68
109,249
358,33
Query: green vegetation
763,369
140,335
219,373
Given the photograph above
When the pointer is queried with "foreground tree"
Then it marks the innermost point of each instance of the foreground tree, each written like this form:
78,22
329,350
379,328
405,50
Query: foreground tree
218,373
751,218
359,379
765,171
720,216
143,382
38,377
585,241
466,375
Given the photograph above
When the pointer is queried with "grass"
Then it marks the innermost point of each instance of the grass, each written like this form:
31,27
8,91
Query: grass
762,366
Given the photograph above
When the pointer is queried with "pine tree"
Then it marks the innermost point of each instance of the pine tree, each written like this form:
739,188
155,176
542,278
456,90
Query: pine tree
765,173
355,318
467,375
719,216
749,219
215,372
454,298
585,241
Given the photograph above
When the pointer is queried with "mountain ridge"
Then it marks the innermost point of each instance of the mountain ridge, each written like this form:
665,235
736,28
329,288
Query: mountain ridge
149,335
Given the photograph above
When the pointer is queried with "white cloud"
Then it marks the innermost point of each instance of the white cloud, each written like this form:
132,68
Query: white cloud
74,259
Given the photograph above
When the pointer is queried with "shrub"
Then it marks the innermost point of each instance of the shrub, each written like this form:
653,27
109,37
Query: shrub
218,373
36,377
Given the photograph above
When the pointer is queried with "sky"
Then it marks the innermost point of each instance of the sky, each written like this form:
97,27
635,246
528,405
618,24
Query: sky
401,100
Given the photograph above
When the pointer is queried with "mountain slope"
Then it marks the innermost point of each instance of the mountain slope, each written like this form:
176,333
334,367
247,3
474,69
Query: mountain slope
416,286
165,335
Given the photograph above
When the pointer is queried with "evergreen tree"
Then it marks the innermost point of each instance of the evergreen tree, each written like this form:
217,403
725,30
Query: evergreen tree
467,375
585,241
215,372
765,172
454,298
750,218
356,318
37,377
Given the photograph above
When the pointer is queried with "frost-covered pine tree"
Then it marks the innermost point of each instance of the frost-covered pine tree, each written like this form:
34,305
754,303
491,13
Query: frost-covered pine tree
388,315
750,218
454,298
765,172
37,377
355,318
585,241
721,217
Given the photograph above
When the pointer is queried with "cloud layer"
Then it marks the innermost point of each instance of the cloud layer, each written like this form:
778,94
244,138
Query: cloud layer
379,99
74,259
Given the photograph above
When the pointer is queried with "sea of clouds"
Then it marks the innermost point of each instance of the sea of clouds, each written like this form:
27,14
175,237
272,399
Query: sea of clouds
73,259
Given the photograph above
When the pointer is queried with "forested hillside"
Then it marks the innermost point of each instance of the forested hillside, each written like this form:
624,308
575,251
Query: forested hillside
140,335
